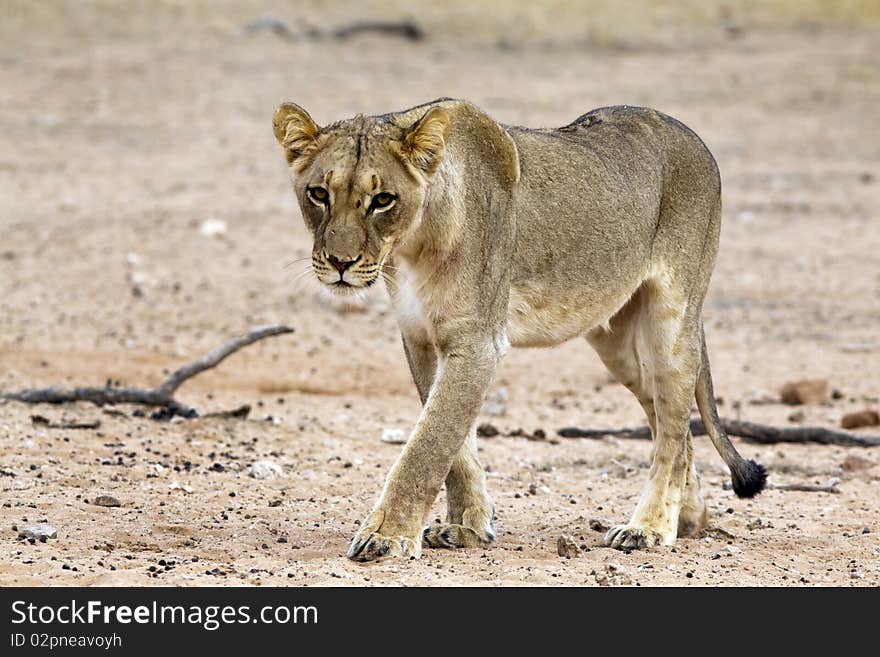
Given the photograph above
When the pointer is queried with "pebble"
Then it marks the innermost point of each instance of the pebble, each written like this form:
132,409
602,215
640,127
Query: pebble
393,436
566,547
853,463
731,549
487,430
599,525
613,575
266,470
758,524
213,228
805,391
38,532
866,418
106,500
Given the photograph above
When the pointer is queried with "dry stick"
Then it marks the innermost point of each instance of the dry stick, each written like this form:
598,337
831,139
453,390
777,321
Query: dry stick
404,29
807,488
830,487
161,396
757,433
46,422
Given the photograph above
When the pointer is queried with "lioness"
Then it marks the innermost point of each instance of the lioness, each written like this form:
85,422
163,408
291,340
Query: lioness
491,235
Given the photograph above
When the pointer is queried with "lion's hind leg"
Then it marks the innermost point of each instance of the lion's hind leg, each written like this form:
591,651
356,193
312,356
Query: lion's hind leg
653,348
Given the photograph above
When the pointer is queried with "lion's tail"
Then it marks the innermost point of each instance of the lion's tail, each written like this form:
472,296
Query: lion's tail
749,478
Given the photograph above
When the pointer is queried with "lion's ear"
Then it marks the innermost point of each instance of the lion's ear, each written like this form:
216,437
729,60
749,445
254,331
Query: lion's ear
294,130
425,141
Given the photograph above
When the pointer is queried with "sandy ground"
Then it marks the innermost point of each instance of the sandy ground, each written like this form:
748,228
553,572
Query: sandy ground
121,133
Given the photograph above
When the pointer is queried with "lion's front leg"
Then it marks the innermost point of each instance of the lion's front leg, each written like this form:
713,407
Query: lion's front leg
394,527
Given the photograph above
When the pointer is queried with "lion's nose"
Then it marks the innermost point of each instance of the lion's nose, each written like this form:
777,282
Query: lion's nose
341,265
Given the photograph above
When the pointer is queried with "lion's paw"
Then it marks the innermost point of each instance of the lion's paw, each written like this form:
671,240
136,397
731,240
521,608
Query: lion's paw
372,547
369,544
456,536
630,537
474,527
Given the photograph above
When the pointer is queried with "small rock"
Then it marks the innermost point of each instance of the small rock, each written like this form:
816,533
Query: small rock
805,391
174,485
855,574
731,549
866,418
533,488
496,403
213,228
393,436
797,417
266,470
566,547
758,524
599,525
38,532
613,575
106,500
487,430
853,463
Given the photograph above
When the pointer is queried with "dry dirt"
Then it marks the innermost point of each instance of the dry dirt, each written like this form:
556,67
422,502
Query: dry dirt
121,133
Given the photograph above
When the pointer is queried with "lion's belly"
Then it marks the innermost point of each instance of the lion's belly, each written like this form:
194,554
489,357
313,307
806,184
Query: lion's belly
534,322
537,319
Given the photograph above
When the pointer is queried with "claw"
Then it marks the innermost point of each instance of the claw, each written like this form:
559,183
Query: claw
376,546
627,537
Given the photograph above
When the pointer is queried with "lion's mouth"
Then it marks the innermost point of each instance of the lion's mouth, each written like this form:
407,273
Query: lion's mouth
344,287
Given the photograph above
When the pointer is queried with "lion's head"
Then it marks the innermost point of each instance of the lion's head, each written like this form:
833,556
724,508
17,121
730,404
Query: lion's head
361,186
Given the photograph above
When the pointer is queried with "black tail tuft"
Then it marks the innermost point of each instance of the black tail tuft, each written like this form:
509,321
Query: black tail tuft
749,478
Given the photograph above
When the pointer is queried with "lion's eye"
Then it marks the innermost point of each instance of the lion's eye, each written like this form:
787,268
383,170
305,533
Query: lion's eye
318,194
382,200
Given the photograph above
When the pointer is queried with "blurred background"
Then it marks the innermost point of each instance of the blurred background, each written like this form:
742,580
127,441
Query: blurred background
146,212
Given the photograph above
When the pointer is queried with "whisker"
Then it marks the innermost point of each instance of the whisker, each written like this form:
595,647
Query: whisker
300,277
295,261
390,283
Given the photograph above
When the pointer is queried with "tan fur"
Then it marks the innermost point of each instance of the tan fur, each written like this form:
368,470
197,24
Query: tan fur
606,228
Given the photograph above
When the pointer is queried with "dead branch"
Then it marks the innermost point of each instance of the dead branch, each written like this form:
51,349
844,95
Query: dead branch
161,396
241,412
806,488
46,422
757,433
830,487
403,29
